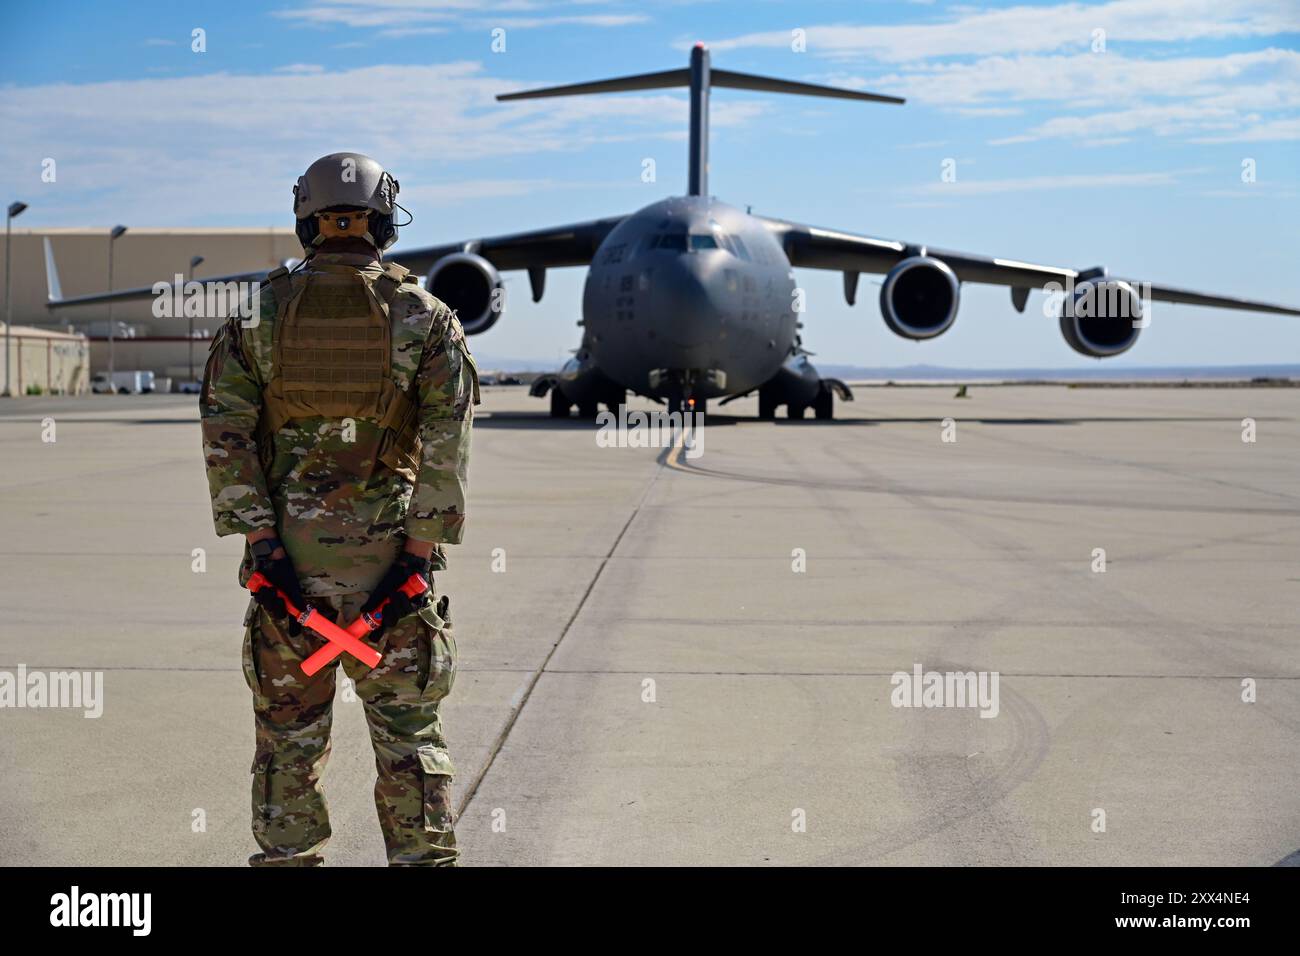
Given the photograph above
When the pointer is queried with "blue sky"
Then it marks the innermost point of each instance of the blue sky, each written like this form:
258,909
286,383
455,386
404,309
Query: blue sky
1123,147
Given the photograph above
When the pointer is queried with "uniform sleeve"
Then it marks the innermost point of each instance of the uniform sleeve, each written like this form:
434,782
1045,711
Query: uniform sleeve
448,390
229,407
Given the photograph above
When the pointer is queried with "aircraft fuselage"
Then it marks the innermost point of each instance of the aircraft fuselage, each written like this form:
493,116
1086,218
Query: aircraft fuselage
683,290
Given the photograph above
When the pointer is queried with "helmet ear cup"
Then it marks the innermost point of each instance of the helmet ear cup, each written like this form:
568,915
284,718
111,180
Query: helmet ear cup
383,229
307,229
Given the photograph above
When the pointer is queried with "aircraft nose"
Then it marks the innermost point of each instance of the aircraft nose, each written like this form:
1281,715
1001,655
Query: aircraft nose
687,309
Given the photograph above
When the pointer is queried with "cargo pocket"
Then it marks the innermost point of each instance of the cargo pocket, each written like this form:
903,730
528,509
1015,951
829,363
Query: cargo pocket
441,676
261,771
251,676
437,771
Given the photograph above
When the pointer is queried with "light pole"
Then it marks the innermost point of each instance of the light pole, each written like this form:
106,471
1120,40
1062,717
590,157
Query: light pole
112,238
194,261
15,209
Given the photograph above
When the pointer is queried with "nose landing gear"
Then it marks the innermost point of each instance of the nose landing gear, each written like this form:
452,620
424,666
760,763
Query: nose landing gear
678,387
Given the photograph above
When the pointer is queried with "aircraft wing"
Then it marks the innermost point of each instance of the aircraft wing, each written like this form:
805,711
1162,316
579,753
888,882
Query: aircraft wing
57,301
815,248
145,292
570,245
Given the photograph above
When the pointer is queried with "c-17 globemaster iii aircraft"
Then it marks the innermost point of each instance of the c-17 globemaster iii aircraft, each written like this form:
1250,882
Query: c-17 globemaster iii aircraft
690,299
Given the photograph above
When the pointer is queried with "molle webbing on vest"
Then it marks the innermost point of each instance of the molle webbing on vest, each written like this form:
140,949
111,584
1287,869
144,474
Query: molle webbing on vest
333,349
333,358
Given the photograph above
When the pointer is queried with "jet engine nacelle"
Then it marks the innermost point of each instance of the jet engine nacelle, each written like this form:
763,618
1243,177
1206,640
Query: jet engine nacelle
919,297
472,286
1101,319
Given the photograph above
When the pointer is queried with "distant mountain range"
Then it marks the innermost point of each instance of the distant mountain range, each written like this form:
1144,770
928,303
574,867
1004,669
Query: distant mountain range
1098,372
925,373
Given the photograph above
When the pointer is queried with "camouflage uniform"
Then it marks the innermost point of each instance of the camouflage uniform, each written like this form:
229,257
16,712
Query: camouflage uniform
343,517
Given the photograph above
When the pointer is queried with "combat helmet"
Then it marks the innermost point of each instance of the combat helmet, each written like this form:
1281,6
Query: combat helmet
339,184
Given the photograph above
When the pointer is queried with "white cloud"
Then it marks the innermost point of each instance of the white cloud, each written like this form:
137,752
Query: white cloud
470,190
1282,129
410,31
1022,184
586,20
1238,96
224,146
961,31
416,17
1261,77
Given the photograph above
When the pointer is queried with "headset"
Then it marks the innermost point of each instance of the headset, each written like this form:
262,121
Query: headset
338,221
359,222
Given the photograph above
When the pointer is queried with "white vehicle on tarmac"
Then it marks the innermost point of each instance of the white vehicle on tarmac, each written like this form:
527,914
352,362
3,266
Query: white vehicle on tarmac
123,383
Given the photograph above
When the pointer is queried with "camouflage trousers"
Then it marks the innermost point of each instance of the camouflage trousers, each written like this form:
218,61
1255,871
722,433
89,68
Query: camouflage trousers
401,697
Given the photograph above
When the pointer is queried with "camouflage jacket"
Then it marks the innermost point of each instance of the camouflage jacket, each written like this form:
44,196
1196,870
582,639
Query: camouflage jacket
342,514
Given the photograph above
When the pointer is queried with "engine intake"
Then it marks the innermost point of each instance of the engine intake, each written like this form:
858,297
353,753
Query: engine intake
1101,319
919,298
472,286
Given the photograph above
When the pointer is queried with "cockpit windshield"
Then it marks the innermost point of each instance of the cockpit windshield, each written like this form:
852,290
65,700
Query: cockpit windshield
693,242
673,242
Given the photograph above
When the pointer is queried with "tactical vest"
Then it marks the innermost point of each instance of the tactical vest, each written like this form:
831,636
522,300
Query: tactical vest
333,358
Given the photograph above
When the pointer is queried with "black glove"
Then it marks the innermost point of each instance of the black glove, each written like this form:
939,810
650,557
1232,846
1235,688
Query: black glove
280,572
399,605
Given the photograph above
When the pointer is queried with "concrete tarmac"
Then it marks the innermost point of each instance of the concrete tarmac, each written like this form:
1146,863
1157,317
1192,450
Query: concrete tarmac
682,661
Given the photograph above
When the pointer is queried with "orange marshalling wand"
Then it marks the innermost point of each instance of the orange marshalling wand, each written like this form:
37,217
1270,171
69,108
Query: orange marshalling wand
340,640
367,622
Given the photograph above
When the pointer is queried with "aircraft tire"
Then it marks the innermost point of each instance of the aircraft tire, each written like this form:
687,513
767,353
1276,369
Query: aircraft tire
824,405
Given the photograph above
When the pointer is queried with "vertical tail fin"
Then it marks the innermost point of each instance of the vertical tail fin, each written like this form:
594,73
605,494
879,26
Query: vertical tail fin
700,78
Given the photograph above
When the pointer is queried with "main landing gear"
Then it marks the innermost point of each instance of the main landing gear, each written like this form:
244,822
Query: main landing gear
820,398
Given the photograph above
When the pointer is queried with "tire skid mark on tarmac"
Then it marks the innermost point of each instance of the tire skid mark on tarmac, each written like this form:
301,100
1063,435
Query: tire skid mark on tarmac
520,700
1209,642
1028,725
1164,471
949,792
887,487
1029,738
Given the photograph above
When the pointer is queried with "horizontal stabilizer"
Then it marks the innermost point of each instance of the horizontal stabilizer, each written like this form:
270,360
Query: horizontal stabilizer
668,79
619,84
771,84
700,78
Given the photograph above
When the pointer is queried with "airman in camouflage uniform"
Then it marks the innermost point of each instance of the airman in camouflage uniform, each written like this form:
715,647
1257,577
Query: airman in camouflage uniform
349,499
